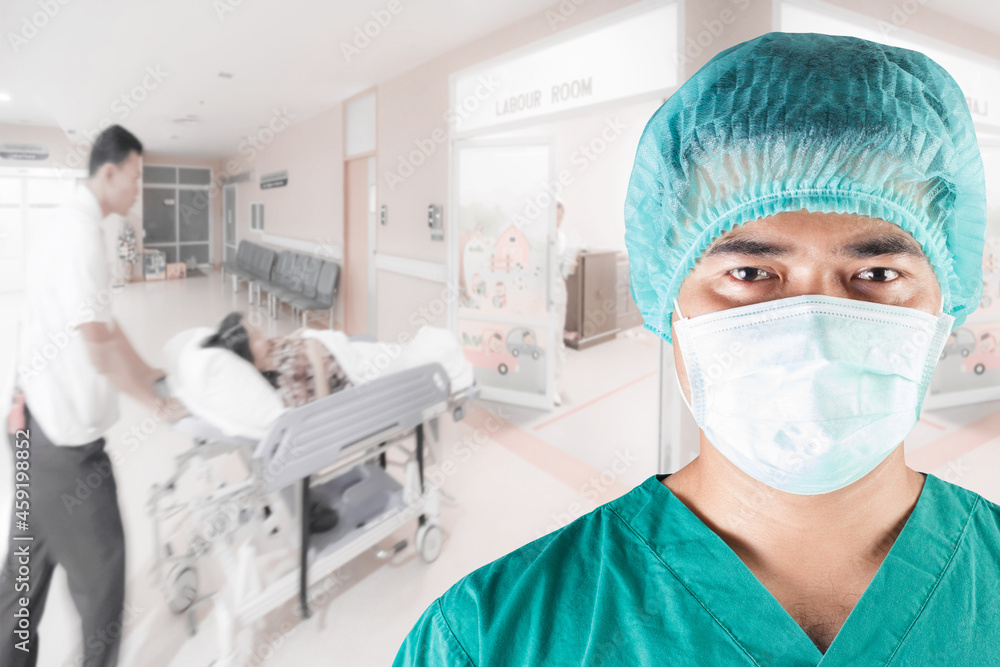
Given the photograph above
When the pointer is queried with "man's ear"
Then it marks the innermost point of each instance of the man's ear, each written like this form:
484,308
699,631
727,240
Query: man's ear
105,173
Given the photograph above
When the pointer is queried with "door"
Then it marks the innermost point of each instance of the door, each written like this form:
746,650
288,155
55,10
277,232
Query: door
229,224
176,213
159,219
501,261
354,286
193,227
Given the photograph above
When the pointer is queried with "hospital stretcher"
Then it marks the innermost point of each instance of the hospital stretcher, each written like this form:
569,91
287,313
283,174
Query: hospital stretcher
333,449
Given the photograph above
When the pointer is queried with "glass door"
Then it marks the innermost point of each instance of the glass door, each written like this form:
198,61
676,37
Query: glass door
176,213
502,244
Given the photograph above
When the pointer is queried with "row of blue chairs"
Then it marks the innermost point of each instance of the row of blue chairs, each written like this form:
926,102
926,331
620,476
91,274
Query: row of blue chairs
304,282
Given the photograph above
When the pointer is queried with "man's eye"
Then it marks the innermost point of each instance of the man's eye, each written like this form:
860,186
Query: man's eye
878,275
749,274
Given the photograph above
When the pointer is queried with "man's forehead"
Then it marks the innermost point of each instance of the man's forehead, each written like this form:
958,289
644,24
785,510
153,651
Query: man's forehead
850,235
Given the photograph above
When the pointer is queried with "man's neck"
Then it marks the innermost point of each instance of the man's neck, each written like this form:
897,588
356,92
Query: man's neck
815,554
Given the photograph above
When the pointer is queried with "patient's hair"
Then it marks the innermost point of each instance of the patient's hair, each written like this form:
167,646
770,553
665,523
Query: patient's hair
234,336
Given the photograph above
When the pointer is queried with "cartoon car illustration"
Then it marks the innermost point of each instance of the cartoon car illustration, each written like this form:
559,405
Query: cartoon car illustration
961,341
492,353
987,354
522,342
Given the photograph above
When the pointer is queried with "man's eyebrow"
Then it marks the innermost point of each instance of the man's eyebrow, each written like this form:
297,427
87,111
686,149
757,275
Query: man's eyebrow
888,244
747,246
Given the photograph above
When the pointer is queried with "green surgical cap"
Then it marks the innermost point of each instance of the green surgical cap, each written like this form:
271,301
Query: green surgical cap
787,122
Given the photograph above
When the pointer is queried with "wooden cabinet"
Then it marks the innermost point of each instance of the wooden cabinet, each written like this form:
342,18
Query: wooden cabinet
592,299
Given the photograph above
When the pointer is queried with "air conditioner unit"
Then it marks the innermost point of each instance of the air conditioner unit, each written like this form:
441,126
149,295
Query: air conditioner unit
29,152
277,179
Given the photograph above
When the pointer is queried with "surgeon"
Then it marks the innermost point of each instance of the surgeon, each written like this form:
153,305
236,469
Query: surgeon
805,221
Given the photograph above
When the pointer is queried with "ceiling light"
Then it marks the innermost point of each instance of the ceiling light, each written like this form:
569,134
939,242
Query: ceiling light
4,97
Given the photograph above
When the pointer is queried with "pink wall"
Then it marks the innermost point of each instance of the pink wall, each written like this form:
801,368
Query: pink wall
311,207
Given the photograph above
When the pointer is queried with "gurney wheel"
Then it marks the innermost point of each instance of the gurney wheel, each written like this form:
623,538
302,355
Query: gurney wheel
429,542
181,588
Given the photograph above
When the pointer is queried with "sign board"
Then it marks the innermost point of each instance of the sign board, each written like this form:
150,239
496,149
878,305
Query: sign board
278,179
629,57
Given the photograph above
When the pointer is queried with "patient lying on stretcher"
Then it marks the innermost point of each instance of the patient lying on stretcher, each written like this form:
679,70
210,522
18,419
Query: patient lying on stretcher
299,368
238,381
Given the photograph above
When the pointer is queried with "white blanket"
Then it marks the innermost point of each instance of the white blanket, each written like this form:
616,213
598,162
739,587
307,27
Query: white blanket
232,395
365,361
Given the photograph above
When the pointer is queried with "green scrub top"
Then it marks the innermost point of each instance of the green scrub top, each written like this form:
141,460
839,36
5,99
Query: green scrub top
642,581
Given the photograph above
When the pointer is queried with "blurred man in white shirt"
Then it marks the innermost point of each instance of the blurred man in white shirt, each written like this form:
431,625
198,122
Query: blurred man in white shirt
71,362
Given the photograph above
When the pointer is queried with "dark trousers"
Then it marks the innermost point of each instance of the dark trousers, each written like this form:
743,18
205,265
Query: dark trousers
74,521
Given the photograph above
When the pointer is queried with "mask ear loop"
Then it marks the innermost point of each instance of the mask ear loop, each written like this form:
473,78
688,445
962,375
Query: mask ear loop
677,377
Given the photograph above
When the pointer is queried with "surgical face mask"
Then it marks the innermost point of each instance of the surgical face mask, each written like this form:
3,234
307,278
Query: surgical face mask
808,394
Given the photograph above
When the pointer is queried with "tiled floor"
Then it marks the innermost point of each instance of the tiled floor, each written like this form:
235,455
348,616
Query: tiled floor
511,484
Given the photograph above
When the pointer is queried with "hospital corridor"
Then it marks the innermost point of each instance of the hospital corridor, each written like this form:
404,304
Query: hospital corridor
604,332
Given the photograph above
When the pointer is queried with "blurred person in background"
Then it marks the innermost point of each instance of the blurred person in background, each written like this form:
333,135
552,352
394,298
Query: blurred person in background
72,360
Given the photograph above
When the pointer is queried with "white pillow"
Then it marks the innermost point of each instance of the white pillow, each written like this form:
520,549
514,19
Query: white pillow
220,387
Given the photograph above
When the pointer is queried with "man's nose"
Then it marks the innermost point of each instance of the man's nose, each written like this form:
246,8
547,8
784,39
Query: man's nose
817,279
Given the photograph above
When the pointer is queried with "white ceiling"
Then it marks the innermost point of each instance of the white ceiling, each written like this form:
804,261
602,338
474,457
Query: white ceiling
282,55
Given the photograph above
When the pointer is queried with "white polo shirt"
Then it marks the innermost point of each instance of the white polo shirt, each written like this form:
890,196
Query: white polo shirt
67,282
